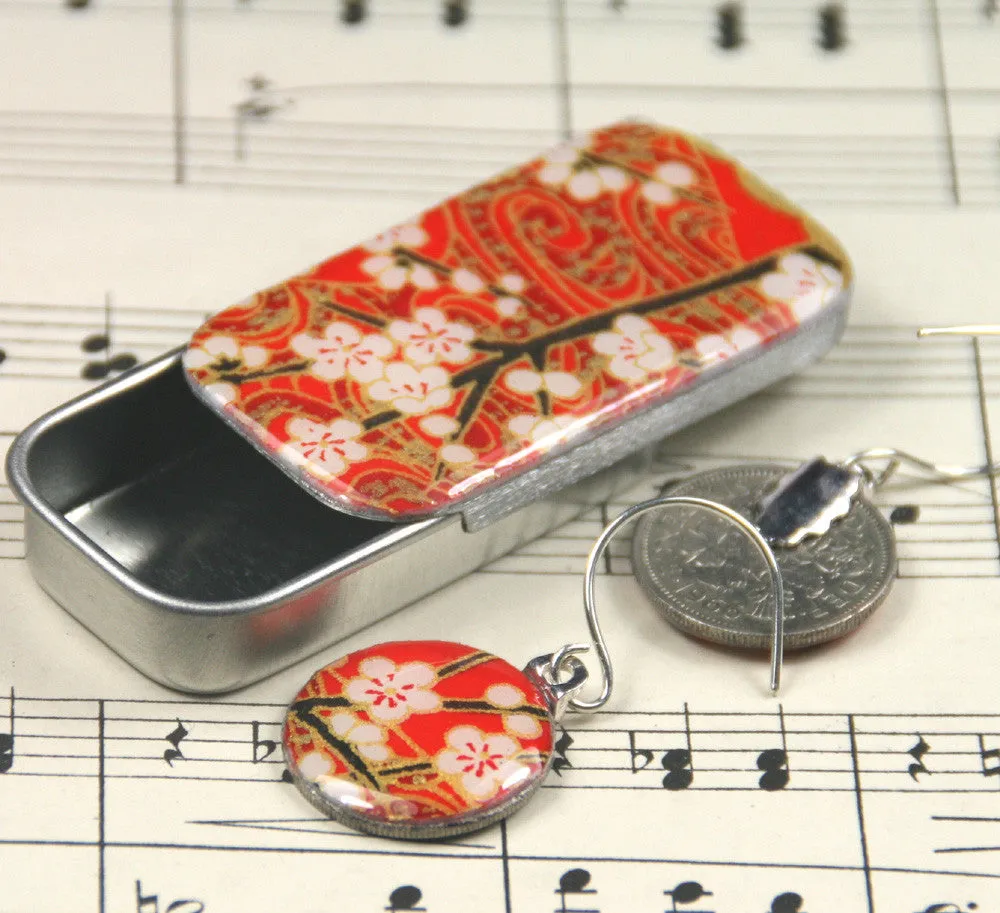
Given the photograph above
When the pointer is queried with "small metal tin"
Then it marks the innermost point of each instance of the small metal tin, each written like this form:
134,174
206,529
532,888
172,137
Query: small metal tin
184,516
207,568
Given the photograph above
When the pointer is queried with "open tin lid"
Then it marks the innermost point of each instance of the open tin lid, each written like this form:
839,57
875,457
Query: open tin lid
524,333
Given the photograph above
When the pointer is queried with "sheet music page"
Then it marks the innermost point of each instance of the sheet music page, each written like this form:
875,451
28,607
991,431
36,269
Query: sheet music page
160,159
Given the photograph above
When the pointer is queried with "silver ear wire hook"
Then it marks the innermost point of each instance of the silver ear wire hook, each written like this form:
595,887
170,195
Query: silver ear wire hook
972,329
941,472
612,529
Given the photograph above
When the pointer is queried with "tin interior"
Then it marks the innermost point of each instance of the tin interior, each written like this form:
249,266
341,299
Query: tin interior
190,509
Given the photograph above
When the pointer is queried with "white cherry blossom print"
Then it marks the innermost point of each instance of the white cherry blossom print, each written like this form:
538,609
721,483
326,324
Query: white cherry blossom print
467,281
504,695
393,271
431,338
560,384
314,765
438,425
719,346
411,390
513,285
484,760
408,235
343,351
804,283
523,725
665,180
324,450
584,179
636,348
224,354
391,693
367,738
537,428
457,454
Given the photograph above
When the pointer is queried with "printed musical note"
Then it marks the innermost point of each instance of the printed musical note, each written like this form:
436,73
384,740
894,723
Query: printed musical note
789,902
267,746
574,881
7,741
617,5
102,342
991,8
354,11
263,103
774,763
832,27
405,897
917,752
455,12
730,18
988,755
3,356
687,892
677,761
561,761
175,738
77,4
904,514
636,754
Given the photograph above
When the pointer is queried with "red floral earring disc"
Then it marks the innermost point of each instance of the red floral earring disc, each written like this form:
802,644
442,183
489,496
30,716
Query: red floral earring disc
418,739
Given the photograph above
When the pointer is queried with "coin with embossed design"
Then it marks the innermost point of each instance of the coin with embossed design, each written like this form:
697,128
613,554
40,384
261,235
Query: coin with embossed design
708,580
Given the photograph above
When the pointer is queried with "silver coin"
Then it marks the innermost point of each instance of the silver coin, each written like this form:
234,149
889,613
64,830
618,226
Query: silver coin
709,580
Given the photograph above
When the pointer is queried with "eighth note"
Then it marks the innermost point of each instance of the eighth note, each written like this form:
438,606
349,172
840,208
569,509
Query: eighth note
917,752
175,738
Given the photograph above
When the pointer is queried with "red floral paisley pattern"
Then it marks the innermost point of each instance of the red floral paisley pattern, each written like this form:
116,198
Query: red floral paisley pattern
417,733
399,377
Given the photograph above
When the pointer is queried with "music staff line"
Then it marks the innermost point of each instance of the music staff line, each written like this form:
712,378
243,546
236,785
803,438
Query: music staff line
47,341
880,754
267,152
936,538
871,15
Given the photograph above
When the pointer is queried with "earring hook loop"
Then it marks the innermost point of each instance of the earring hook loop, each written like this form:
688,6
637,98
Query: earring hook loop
600,546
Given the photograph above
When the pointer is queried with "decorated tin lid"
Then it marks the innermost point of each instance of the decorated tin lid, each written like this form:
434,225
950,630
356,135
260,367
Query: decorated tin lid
483,342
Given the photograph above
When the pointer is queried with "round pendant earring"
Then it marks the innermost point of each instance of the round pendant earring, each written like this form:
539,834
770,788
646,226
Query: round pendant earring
422,740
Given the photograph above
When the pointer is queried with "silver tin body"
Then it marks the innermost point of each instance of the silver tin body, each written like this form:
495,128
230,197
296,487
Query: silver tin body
207,568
